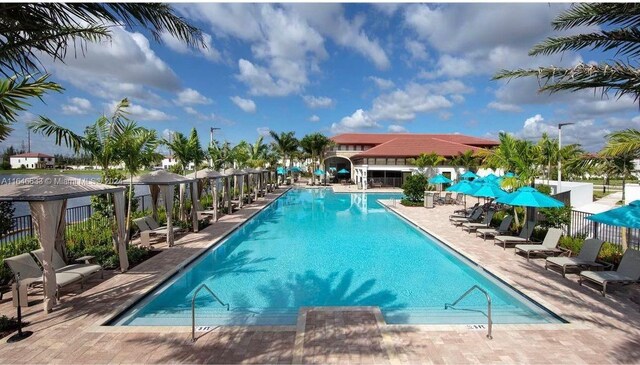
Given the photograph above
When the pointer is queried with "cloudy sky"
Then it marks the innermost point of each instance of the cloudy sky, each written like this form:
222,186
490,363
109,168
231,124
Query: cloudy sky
334,68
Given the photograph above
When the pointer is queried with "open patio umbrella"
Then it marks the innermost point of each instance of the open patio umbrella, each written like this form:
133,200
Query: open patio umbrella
469,175
343,171
295,169
319,172
490,177
280,171
627,216
510,174
488,190
527,196
439,179
462,187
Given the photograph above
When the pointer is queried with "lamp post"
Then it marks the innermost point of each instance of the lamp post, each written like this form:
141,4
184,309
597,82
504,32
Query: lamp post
560,125
211,144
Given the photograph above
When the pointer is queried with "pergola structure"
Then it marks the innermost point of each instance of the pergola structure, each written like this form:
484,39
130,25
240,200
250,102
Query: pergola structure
47,197
209,174
235,173
162,183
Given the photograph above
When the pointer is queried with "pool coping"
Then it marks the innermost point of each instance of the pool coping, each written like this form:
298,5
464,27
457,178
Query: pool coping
102,323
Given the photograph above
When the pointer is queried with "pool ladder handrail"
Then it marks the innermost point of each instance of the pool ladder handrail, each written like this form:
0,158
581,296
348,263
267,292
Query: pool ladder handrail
476,287
193,308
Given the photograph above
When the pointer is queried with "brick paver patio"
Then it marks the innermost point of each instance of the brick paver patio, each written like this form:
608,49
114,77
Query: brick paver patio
601,330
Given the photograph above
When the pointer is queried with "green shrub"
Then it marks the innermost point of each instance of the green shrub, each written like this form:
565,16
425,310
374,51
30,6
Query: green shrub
555,217
409,203
609,253
9,324
545,189
6,217
414,187
137,254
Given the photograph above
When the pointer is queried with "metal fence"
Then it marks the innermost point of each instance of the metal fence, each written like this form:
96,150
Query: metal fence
76,217
582,227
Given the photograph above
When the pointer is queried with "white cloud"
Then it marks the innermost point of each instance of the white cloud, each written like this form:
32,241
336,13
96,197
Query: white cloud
245,104
315,102
198,115
382,83
416,49
138,112
125,65
260,81
454,67
210,52
77,106
504,107
263,131
359,120
190,96
395,128
314,118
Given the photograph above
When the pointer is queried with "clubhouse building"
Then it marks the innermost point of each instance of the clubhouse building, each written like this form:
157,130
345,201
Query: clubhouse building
386,159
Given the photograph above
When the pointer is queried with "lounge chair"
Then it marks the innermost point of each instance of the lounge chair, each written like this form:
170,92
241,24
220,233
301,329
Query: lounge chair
549,245
454,217
471,227
586,258
501,230
628,272
31,273
465,211
203,213
156,228
459,199
84,270
475,217
523,237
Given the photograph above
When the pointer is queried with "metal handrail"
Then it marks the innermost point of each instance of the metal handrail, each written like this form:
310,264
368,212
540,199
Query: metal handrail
193,308
489,321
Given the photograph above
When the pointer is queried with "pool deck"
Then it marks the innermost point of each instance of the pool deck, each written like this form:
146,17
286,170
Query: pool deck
601,330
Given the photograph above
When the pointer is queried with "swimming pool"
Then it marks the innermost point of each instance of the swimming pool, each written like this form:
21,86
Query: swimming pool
313,247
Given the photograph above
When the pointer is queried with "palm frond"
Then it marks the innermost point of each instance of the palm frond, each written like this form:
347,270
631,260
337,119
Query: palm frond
48,128
626,41
623,14
15,91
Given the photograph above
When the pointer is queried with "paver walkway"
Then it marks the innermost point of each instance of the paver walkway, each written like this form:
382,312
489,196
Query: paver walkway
601,330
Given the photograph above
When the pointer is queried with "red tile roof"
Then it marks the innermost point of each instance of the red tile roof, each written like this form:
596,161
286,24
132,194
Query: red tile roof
32,154
412,145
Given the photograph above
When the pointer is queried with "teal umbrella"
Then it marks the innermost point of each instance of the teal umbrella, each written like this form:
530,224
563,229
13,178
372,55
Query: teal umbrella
626,216
527,196
439,179
490,177
469,175
280,171
295,169
319,172
343,171
488,190
510,174
464,187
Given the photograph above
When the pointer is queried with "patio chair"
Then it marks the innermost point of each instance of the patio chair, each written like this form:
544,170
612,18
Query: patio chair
549,245
156,228
586,258
84,270
203,213
453,217
475,217
501,230
31,273
459,199
523,237
471,227
464,212
628,272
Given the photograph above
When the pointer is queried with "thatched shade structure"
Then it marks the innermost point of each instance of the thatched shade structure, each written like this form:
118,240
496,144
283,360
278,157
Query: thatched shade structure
47,197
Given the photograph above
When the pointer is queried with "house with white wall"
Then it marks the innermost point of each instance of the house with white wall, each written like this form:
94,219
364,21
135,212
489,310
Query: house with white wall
32,160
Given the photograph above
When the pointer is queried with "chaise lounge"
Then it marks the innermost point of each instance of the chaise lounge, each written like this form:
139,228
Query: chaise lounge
586,258
628,272
523,237
84,270
501,230
471,227
549,245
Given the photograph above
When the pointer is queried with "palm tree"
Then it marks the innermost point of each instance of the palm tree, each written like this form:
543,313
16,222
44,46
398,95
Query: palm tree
240,154
220,155
196,153
315,144
98,139
548,149
430,160
625,142
180,150
617,32
257,153
136,149
468,159
285,144
33,30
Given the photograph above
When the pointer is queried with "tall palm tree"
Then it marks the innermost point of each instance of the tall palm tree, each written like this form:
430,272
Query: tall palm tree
220,154
257,153
617,32
178,144
285,144
428,160
196,153
136,149
98,139
316,145
468,160
33,30
548,149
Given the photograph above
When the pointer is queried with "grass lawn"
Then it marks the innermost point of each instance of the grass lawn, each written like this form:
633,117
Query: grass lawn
47,171
612,182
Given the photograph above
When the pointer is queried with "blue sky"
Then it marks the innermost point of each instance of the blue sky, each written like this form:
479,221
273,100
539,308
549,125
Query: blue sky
334,68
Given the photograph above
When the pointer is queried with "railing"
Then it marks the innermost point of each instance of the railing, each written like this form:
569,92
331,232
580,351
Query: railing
76,217
582,227
476,287
193,308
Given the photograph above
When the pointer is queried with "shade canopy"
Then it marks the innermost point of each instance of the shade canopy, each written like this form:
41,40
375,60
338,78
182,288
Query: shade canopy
159,177
295,169
469,175
626,216
464,187
206,173
510,174
319,172
527,196
491,176
488,190
233,172
280,171
250,170
439,179
53,187
343,171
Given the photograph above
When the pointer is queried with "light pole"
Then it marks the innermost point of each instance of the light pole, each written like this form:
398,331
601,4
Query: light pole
211,144
560,125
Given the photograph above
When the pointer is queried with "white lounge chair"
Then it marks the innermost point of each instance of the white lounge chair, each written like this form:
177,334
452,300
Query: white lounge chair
586,257
84,270
31,273
523,237
628,272
549,245
501,230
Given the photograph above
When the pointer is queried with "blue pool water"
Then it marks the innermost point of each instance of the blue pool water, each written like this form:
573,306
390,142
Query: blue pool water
319,248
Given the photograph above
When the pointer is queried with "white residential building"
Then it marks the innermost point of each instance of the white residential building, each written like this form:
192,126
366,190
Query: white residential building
169,161
32,160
